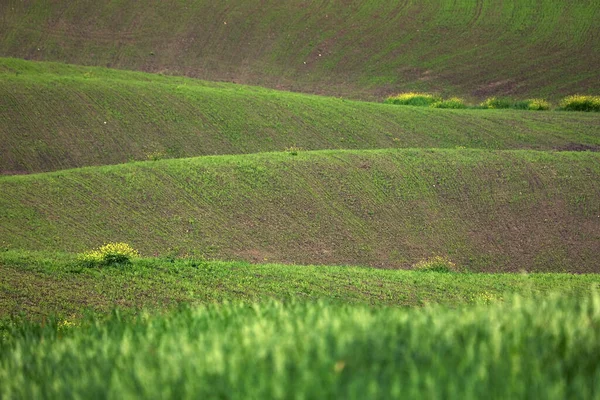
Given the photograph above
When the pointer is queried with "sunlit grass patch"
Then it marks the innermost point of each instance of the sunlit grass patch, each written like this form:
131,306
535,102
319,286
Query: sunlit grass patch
496,103
434,101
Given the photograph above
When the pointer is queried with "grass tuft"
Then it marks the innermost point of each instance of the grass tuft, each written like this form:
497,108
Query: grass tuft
434,101
494,103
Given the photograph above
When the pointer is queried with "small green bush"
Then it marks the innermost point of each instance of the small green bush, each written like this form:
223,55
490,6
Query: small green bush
505,103
413,99
538,105
580,103
425,99
493,103
155,155
293,150
453,102
436,264
110,254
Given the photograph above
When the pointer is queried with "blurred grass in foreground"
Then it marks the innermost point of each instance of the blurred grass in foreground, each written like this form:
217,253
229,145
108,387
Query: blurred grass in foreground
524,348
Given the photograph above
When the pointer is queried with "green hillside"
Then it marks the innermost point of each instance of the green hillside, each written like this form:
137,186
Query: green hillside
487,210
360,49
57,116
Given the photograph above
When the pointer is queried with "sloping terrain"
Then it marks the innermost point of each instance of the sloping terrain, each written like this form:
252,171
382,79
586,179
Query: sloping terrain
495,190
489,211
57,116
363,49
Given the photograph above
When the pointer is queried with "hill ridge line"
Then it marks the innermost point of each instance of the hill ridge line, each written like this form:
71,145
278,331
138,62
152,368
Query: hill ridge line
232,158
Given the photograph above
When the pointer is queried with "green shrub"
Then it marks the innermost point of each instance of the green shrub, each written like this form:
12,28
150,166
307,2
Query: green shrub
436,264
497,103
110,254
538,105
505,103
155,155
413,99
293,150
453,102
580,103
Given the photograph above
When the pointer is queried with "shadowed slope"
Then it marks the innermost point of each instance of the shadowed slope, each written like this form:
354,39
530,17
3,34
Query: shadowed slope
493,211
56,116
361,48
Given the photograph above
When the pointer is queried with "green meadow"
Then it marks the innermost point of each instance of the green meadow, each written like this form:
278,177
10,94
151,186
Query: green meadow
220,200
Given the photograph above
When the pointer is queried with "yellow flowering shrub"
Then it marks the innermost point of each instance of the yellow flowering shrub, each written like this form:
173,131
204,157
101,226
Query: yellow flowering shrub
110,254
580,103
413,99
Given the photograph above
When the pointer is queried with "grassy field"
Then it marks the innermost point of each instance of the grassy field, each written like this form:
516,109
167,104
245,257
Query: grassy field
487,210
57,116
40,285
281,232
521,349
364,49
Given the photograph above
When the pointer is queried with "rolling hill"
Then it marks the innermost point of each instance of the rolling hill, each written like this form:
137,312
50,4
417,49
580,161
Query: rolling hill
56,116
332,180
361,49
487,210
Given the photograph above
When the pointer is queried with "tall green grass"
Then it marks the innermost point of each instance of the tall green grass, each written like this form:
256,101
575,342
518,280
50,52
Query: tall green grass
523,349
506,103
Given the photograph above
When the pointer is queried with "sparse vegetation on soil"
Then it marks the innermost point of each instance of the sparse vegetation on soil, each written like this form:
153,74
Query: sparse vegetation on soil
368,49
